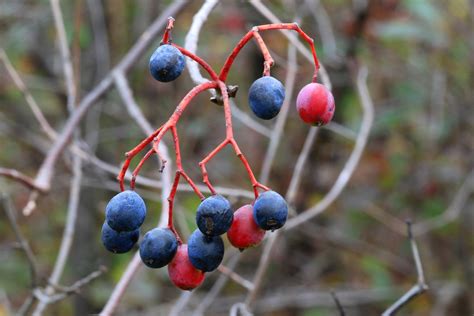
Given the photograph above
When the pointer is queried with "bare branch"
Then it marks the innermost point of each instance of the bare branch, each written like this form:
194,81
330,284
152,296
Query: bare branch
236,277
300,163
68,234
24,244
452,212
192,37
18,176
27,95
419,288
46,171
338,304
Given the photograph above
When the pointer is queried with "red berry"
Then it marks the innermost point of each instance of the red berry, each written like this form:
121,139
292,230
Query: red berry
244,232
181,271
315,104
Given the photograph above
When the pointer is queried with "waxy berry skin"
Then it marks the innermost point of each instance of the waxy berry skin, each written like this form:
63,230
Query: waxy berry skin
270,210
266,97
205,253
244,232
181,271
315,104
214,216
126,211
118,242
166,63
158,247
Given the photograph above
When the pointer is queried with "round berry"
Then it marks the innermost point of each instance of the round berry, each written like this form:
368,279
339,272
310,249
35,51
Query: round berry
214,216
126,211
266,97
315,104
158,247
270,210
244,232
118,242
166,63
182,273
205,253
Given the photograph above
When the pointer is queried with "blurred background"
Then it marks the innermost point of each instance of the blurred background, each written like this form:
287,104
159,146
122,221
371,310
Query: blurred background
417,163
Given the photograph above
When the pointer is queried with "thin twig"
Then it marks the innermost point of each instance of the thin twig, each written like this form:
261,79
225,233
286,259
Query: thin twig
27,95
216,287
46,171
419,288
300,163
452,212
338,303
18,176
64,292
236,277
24,244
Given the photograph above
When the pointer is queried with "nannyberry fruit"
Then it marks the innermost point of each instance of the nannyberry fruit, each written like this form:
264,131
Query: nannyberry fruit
315,104
214,216
244,232
270,210
205,253
182,273
266,96
118,242
166,63
158,247
126,211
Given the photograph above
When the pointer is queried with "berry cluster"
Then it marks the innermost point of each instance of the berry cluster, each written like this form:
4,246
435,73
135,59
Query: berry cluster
187,263
204,252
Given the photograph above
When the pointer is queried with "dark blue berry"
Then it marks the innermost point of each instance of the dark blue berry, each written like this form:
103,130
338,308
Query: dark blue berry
205,253
118,242
158,247
266,97
126,211
270,210
166,63
214,216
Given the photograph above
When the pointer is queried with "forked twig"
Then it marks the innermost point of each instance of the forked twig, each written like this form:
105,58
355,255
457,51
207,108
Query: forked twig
420,287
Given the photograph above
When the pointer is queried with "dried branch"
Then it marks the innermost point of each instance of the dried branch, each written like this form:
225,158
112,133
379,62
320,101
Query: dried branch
24,244
19,177
452,212
27,95
236,277
338,304
419,288
46,171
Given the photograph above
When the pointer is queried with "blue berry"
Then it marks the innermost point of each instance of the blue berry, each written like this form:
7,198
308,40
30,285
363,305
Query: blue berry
158,247
214,216
126,211
270,210
118,242
166,63
266,97
205,253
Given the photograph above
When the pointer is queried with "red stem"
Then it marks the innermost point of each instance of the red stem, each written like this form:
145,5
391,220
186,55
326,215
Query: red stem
218,82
